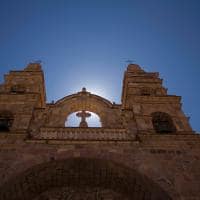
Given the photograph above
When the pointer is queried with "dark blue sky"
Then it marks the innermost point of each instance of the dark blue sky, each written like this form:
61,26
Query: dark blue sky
86,43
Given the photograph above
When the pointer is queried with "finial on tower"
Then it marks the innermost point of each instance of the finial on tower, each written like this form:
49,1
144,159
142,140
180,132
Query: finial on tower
84,89
34,66
134,68
129,61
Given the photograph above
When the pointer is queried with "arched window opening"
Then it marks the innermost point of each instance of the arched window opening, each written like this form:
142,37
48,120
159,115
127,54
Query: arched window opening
162,123
6,120
146,92
83,119
17,89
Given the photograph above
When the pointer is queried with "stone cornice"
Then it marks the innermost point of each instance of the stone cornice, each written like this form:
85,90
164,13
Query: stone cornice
156,99
89,134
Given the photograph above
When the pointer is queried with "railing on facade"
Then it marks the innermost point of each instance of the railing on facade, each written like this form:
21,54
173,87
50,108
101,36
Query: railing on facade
72,133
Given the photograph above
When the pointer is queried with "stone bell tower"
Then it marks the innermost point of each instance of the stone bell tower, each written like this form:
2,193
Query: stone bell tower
21,93
153,110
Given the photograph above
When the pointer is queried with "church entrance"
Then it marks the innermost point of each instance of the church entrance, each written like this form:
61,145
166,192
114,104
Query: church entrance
81,179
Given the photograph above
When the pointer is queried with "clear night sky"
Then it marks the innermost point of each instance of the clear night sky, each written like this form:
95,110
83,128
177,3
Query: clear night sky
86,43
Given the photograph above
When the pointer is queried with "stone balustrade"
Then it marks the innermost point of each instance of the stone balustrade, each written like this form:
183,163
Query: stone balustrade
73,133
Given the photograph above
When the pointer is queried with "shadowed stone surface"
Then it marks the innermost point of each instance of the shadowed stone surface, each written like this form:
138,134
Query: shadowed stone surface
145,148
82,174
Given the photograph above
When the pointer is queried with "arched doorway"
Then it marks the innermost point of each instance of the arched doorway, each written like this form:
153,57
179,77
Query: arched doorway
81,179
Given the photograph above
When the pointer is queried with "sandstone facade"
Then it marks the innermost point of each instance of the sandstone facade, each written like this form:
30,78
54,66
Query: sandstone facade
145,148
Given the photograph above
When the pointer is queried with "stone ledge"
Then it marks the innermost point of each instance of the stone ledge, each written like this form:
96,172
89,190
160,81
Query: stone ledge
83,134
70,142
179,136
5,135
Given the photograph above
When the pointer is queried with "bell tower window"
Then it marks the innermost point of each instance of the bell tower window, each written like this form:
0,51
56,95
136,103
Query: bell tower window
6,120
162,123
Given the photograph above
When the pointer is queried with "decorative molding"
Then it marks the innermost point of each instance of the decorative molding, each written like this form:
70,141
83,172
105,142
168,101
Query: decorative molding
74,133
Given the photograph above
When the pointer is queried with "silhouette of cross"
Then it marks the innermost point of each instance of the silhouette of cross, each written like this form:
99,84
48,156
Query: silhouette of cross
83,114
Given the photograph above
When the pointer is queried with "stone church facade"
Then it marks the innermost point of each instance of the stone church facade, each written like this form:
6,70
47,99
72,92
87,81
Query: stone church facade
145,149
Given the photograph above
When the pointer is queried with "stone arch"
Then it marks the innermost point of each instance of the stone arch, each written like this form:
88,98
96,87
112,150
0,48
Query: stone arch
81,173
163,123
108,115
6,120
74,120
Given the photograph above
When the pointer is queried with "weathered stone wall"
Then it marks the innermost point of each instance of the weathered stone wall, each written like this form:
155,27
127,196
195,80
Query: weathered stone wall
144,94
128,154
170,161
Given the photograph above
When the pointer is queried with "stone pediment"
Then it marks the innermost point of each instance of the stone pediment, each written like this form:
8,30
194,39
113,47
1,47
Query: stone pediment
84,96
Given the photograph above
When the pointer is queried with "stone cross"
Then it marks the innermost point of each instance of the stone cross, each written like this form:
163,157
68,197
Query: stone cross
83,114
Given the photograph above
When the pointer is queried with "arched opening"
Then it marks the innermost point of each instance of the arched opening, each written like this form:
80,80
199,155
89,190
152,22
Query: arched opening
145,92
18,89
83,101
75,118
162,123
82,179
6,120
